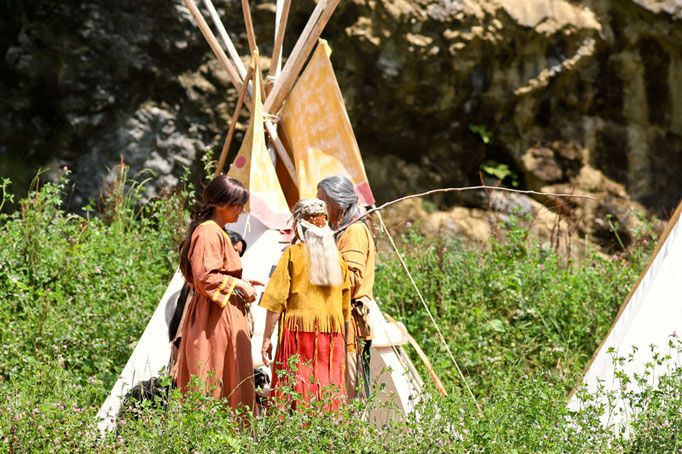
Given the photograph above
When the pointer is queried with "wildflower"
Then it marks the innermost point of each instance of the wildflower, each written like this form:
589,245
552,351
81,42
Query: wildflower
408,224
64,169
542,267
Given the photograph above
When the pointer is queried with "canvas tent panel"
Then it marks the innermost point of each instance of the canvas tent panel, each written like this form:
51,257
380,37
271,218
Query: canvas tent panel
264,248
254,168
650,317
395,379
391,369
319,132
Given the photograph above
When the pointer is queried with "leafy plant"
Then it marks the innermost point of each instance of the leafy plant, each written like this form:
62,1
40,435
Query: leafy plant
522,321
500,171
485,135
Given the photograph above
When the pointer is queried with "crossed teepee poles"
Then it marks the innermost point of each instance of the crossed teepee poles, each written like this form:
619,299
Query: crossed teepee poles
283,81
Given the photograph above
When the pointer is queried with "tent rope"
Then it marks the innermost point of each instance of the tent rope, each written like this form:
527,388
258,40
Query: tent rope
273,118
421,298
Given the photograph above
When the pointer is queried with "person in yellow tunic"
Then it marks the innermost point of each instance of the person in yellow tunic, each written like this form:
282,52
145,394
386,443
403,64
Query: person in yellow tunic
215,345
309,294
355,240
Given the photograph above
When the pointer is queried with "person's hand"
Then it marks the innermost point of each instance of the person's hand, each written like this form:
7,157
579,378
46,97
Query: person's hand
248,291
266,351
254,282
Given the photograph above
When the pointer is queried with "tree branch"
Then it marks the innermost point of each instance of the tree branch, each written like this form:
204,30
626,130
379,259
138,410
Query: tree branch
468,188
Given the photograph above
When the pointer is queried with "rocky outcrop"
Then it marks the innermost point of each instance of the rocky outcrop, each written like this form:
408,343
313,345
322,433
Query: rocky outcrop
86,83
571,96
581,98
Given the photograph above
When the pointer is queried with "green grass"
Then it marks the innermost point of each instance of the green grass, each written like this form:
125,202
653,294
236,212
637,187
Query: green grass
522,321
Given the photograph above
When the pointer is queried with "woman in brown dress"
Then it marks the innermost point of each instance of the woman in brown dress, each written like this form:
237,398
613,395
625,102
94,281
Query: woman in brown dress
215,345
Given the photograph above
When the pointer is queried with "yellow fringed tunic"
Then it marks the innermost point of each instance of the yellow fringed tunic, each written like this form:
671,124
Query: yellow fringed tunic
306,307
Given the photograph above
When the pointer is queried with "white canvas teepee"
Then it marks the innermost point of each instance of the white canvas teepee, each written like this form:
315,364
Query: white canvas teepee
649,318
319,142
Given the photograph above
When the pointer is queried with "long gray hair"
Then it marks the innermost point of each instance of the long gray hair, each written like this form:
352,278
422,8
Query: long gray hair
324,262
342,193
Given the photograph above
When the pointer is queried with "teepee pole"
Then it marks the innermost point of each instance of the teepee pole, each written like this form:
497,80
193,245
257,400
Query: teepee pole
251,35
422,355
213,43
280,27
233,124
281,151
306,42
236,60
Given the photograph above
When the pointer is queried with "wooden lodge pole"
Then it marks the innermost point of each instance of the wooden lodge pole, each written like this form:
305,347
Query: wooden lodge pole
276,62
233,124
306,42
250,33
281,151
422,355
213,43
226,39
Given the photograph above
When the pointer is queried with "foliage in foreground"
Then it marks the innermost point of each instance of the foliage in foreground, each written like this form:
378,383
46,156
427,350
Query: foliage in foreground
76,293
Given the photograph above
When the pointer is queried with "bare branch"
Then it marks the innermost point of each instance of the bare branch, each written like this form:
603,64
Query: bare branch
468,188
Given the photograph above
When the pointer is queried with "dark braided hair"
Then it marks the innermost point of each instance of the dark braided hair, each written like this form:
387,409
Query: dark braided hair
221,191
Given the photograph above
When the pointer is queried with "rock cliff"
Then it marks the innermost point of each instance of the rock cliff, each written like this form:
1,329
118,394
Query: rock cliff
556,95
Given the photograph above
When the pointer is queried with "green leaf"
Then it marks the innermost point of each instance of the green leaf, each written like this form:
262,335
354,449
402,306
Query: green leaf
497,325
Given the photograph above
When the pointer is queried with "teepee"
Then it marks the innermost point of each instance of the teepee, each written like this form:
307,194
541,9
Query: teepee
299,132
649,319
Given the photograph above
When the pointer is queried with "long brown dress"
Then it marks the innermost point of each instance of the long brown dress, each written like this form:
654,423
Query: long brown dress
215,344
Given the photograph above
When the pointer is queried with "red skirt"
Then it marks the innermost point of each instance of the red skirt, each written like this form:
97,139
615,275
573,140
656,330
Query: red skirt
312,365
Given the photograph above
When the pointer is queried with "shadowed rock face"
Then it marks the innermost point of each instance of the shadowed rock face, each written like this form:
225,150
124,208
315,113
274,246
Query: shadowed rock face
435,89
